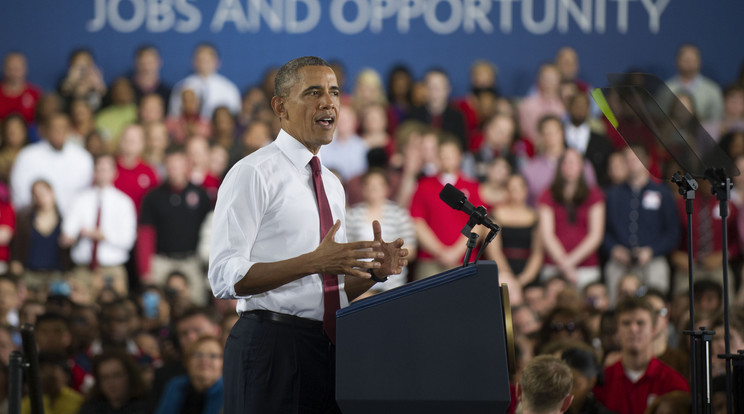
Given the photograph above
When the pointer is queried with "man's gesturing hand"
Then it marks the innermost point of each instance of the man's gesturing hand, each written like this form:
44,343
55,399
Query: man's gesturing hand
392,261
346,258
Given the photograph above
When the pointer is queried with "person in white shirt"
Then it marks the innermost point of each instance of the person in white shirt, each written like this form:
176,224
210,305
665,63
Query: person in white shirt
64,165
212,89
100,228
267,251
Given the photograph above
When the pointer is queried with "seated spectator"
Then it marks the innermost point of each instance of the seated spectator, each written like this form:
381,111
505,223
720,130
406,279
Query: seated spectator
13,137
17,95
82,121
118,324
54,377
545,387
544,101
9,302
67,167
347,153
189,121
169,232
36,254
437,111
189,327
519,249
638,372
52,333
442,244
572,216
201,390
595,296
177,293
118,386
586,374
155,311
83,79
670,355
100,229
395,222
673,402
562,324
642,228
210,88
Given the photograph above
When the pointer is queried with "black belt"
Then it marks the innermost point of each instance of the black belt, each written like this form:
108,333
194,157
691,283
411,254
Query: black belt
283,318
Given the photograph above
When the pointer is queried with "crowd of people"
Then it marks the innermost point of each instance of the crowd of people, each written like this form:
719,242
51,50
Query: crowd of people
107,192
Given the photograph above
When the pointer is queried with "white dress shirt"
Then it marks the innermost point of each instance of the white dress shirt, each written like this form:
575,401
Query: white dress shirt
266,212
577,137
118,225
213,91
69,170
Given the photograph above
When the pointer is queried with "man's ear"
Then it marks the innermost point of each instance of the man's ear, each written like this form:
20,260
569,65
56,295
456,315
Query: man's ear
277,104
567,402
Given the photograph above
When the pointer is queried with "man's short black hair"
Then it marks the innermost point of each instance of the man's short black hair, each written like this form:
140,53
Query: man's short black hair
52,317
287,74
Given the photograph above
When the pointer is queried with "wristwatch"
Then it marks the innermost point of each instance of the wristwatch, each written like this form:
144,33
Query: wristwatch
374,277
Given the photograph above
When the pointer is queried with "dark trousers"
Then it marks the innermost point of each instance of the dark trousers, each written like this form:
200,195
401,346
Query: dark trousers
274,367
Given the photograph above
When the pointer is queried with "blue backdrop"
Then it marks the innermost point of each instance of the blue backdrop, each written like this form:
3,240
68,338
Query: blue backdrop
517,35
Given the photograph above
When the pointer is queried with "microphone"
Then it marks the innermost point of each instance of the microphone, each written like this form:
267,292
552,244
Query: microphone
458,201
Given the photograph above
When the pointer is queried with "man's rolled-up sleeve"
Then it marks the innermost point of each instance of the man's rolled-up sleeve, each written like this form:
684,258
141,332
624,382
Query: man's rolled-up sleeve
240,207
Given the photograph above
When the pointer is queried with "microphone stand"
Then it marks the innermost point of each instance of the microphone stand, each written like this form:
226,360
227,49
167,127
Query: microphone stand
29,360
477,217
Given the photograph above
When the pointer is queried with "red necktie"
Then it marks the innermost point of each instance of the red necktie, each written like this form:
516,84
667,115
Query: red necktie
331,301
94,252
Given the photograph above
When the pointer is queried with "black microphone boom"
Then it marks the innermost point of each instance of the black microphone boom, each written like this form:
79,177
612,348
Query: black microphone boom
458,201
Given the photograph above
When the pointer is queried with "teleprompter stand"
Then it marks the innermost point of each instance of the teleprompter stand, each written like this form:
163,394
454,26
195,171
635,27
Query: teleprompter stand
647,114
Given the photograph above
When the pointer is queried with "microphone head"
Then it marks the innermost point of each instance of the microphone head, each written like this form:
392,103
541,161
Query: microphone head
452,197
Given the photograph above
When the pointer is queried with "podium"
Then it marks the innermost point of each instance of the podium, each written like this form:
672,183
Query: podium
437,345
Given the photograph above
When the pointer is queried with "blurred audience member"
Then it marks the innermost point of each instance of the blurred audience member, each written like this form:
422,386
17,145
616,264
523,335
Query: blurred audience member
146,78
122,111
17,95
395,221
224,128
57,396
211,88
189,121
100,229
442,244
707,94
545,386
493,189
157,141
67,167
595,147
13,137
642,228
544,101
118,388
170,220
586,374
437,110
375,130
134,177
347,153
36,254
151,109
399,85
82,121
198,153
368,90
572,217
201,390
83,79
639,373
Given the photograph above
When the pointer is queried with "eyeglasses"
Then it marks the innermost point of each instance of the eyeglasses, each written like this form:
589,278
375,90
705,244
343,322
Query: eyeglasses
568,327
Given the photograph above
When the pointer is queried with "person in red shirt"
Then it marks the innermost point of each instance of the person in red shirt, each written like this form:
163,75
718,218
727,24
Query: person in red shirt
437,225
7,229
16,94
638,378
134,177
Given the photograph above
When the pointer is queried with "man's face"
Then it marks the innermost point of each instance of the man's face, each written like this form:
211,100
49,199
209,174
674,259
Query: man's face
148,61
177,168
310,110
53,336
635,329
15,68
205,61
56,131
688,61
450,158
132,141
437,87
190,329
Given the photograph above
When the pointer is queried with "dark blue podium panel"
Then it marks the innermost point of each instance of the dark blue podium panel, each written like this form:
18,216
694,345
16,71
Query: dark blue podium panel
437,345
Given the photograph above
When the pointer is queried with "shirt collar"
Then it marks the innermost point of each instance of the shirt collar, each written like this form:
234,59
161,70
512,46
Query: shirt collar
297,153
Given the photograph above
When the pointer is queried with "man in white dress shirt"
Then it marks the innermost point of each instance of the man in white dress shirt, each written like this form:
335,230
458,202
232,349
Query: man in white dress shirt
267,251
212,89
101,228
63,164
